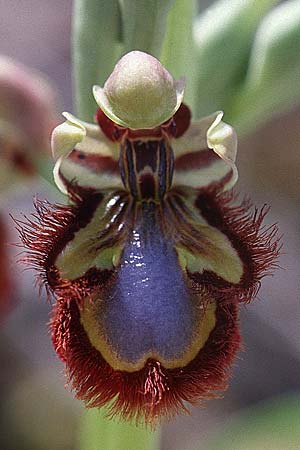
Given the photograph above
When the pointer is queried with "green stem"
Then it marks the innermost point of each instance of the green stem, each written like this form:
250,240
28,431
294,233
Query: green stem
178,53
144,24
97,432
96,42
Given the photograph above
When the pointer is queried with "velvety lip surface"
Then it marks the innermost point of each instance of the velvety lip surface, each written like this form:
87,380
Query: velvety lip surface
149,309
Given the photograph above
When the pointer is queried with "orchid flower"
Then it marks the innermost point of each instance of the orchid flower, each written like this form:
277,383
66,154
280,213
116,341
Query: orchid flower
151,260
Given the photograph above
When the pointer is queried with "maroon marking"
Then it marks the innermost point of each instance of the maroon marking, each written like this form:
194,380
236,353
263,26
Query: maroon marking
95,163
147,186
176,126
182,120
154,391
147,133
146,154
47,233
111,130
219,184
196,160
76,192
257,246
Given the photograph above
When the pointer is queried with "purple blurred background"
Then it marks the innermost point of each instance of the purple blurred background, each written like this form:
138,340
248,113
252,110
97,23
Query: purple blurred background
36,412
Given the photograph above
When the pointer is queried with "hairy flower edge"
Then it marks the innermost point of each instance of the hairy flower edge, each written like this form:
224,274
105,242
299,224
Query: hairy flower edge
154,391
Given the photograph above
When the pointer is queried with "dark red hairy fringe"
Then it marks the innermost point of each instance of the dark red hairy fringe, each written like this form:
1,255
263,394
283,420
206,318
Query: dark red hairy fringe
257,245
153,392
46,232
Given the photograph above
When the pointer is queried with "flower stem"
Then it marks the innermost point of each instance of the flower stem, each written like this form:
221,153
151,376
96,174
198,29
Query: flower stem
98,431
96,44
145,24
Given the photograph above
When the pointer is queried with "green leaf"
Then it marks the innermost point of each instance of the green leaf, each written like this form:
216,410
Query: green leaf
272,426
144,24
272,84
96,39
98,432
178,53
223,36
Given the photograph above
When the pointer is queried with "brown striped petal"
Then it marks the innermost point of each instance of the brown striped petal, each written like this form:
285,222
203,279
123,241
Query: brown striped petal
84,156
205,154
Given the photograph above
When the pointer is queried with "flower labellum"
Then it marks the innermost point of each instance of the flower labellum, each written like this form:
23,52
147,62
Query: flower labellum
150,261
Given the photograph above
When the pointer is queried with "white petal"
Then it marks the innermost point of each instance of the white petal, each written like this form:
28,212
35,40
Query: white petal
84,156
57,178
222,138
66,135
205,154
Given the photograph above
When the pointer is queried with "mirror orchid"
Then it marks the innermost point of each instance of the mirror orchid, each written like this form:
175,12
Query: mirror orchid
150,261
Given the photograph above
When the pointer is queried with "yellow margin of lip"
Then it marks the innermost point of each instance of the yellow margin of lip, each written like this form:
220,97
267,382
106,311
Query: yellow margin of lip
91,327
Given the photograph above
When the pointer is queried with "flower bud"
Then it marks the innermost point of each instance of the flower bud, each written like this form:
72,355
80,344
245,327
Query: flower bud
27,116
140,93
